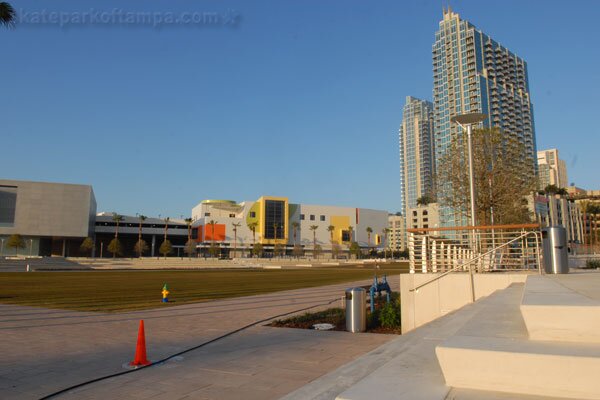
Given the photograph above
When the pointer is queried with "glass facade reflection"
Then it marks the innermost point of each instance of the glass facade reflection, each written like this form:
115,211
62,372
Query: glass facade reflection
274,219
8,205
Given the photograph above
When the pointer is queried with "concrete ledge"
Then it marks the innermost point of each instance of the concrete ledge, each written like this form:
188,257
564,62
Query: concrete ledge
447,294
521,366
554,312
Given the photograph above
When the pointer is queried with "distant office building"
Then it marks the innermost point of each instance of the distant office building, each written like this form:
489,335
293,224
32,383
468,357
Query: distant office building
474,73
417,163
552,210
423,216
575,191
397,233
52,218
552,170
273,221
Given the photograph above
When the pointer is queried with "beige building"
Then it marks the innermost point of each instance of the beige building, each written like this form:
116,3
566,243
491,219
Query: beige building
423,216
397,234
552,170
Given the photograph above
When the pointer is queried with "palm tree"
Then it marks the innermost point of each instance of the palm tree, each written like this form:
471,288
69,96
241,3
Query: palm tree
7,14
295,226
188,222
350,230
167,219
212,224
142,218
117,218
385,232
330,229
235,226
116,245
275,226
369,231
423,200
314,228
252,226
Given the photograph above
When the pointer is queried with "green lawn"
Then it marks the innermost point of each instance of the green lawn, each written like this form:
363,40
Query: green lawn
115,291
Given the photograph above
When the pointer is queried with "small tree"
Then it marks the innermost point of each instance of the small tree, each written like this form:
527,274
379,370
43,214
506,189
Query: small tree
355,249
140,247
190,248
257,249
335,249
165,248
279,250
317,250
115,247
86,246
214,250
16,241
297,251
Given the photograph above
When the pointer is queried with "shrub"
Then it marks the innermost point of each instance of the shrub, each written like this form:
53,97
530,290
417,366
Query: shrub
389,315
592,264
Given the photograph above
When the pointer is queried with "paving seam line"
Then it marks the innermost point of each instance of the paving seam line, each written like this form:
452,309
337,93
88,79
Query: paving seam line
62,391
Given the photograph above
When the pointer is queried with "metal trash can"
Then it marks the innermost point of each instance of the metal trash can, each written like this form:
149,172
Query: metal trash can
356,309
555,251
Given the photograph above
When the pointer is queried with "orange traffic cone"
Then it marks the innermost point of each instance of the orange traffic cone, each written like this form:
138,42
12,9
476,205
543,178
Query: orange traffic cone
140,350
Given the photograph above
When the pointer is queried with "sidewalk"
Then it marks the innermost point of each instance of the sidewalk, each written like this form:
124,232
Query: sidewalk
48,350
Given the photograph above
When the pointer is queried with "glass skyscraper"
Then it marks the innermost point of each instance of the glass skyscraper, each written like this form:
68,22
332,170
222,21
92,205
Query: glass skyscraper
417,165
474,73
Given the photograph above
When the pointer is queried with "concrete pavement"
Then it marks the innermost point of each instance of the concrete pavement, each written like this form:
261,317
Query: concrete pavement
45,350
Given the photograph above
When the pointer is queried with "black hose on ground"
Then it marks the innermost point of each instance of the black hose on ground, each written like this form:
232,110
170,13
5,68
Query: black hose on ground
62,391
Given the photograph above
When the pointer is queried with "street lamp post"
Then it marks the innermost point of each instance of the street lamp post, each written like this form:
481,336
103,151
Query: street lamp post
467,120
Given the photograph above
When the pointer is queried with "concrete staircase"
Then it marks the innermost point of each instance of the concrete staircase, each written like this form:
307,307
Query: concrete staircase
531,341
547,344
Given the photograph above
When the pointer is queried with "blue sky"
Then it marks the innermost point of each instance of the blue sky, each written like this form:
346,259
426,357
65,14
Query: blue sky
296,98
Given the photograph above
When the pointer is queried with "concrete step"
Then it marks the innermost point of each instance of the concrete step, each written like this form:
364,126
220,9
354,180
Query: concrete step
567,370
408,367
555,312
493,352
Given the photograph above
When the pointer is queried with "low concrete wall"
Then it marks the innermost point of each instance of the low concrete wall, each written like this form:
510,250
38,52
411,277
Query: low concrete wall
446,294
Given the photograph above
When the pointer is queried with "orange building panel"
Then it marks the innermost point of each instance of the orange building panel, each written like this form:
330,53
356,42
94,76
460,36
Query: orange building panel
199,239
219,233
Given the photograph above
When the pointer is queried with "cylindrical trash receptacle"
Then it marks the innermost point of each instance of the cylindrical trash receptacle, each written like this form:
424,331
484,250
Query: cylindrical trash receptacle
356,309
554,246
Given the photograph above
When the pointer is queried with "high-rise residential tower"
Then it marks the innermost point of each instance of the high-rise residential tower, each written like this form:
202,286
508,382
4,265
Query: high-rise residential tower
552,170
474,73
417,163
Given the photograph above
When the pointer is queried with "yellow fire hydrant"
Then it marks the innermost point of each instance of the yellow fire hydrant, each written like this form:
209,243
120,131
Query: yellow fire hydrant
165,294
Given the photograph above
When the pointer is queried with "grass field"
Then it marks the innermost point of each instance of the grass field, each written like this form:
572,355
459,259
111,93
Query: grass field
115,291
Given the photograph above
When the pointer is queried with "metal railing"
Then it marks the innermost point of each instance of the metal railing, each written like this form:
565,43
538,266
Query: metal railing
474,249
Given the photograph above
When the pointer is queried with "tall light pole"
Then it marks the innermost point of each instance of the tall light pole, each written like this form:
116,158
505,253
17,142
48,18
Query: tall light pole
465,121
